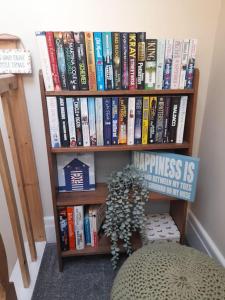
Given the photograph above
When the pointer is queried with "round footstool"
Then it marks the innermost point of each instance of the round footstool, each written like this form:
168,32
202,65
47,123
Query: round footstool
169,271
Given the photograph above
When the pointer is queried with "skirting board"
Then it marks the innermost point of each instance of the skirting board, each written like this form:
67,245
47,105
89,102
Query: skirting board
50,229
198,238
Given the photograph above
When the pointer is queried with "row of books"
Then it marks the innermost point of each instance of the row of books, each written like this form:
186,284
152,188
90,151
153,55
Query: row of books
116,120
79,226
115,60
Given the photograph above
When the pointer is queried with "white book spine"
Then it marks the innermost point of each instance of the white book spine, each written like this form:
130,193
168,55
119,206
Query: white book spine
53,121
160,63
176,64
181,119
168,64
130,121
91,115
45,62
184,62
79,226
71,121
191,63
84,121
99,121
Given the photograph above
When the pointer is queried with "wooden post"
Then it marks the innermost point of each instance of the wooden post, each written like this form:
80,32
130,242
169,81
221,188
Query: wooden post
13,214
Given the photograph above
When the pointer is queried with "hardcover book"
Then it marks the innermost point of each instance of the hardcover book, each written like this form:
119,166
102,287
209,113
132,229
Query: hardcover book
145,120
191,64
175,104
166,119
91,115
124,60
85,121
115,101
160,63
141,37
79,226
168,64
152,119
71,233
107,120
184,62
99,121
160,120
90,61
53,121
130,120
132,60
71,121
78,126
99,61
181,119
63,226
116,43
138,121
176,64
107,56
150,63
58,36
63,122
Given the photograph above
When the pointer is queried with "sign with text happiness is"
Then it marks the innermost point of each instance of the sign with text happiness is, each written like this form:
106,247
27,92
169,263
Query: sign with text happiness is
171,174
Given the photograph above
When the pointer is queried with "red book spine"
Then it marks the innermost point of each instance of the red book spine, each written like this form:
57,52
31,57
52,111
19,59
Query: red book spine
53,60
71,233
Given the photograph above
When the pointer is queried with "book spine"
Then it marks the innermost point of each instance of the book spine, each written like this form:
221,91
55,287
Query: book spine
79,226
107,56
181,119
53,60
152,120
63,225
99,121
130,120
45,62
124,60
141,37
191,64
122,121
166,119
145,120
71,63
78,126
176,64
92,127
160,120
53,121
99,61
84,121
91,226
81,60
90,61
71,233
138,120
58,36
115,120
95,233
63,122
150,63
160,63
107,121
175,103
184,62
87,232
116,43
168,64
132,60
71,121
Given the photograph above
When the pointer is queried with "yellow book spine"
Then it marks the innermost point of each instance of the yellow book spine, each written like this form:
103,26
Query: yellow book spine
152,118
90,61
145,120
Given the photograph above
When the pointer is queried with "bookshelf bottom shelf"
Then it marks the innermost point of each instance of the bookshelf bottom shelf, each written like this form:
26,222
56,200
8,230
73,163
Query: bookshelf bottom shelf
103,247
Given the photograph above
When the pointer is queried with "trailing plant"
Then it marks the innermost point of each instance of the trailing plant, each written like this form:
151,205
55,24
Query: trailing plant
125,209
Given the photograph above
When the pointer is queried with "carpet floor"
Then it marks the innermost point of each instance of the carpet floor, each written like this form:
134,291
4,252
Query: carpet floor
83,278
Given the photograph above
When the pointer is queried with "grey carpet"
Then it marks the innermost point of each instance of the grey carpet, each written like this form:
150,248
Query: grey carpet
83,278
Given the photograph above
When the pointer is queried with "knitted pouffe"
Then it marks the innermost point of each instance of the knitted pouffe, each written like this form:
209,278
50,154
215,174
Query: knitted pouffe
169,271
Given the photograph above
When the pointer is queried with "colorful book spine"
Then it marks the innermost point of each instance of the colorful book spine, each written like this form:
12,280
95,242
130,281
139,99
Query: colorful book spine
191,64
160,63
107,121
124,60
87,232
116,43
79,226
92,126
141,37
53,60
63,122
115,120
58,36
81,60
91,225
175,104
45,62
85,121
94,228
63,226
166,119
122,120
181,119
90,61
78,126
145,120
107,56
152,119
138,120
184,62
150,63
176,64
99,61
132,60
71,121
160,120
99,121
130,120
168,64
53,121
71,233
71,63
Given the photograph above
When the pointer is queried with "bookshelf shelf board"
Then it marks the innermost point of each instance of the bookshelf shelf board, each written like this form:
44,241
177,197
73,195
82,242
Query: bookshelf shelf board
169,146
97,196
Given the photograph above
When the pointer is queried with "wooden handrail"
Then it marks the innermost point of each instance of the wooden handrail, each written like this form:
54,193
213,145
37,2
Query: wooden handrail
7,82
